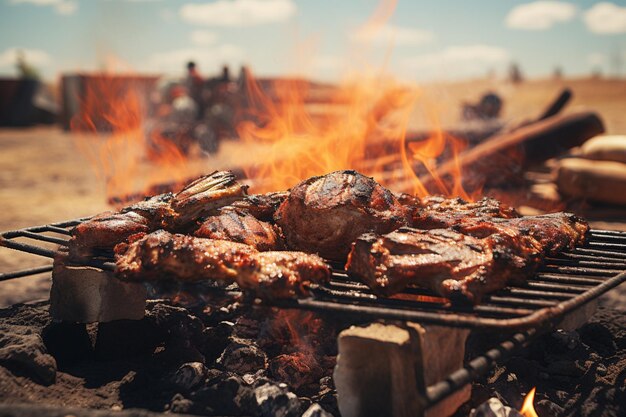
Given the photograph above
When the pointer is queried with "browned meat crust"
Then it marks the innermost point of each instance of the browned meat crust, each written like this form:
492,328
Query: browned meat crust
155,209
102,232
204,197
439,212
162,255
279,275
456,266
240,226
325,214
262,206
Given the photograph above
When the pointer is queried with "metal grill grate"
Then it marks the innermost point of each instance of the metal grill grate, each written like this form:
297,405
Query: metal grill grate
563,284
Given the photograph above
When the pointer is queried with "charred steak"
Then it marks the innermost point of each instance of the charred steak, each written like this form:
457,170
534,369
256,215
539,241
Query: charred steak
165,256
240,226
456,266
325,214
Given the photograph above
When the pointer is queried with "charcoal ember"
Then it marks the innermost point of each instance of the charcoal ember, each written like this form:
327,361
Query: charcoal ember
216,339
226,394
297,370
189,375
257,378
247,327
316,410
598,338
175,322
275,401
68,343
565,340
121,339
242,356
546,407
180,404
494,408
22,348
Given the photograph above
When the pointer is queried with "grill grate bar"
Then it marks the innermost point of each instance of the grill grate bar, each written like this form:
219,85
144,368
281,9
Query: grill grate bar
565,280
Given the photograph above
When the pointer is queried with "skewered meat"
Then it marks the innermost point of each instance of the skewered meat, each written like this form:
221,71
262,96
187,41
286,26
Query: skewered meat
325,214
162,256
204,196
262,206
240,226
102,232
454,265
276,275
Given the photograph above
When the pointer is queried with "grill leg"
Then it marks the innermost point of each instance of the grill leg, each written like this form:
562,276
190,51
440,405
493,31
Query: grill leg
384,369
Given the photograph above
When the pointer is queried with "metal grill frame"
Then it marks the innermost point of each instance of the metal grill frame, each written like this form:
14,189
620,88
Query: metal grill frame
582,272
562,285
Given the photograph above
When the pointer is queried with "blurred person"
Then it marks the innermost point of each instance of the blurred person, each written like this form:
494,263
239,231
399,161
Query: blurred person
195,87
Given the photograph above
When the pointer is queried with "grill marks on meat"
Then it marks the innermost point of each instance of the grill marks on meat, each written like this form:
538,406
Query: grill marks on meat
204,196
262,206
162,255
325,214
438,212
280,275
177,212
101,233
456,266
240,226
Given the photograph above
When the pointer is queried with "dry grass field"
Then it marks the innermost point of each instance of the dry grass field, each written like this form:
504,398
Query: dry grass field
43,178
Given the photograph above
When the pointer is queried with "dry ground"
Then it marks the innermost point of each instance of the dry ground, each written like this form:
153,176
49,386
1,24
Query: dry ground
43,178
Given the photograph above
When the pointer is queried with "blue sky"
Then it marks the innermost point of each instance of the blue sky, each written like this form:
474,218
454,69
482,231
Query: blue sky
319,38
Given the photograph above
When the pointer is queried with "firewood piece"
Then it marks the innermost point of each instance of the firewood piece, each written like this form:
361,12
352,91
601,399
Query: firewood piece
605,148
532,144
602,181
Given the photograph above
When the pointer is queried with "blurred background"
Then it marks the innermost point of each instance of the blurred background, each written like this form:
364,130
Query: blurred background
104,101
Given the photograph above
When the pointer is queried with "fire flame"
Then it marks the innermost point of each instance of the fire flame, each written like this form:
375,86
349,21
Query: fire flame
113,135
528,410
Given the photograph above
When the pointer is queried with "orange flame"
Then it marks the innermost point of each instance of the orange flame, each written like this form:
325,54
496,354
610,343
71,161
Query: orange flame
113,136
528,410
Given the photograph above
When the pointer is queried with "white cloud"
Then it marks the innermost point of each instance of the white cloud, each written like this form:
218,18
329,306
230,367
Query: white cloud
393,35
457,61
238,12
64,7
203,37
208,59
606,18
540,15
35,57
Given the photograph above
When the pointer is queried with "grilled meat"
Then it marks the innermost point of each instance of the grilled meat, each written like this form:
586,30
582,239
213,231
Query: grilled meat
240,226
325,214
203,197
262,206
279,275
101,233
456,266
162,255
438,212
155,209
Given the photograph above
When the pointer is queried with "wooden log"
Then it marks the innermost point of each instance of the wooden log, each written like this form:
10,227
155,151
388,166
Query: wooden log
524,147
